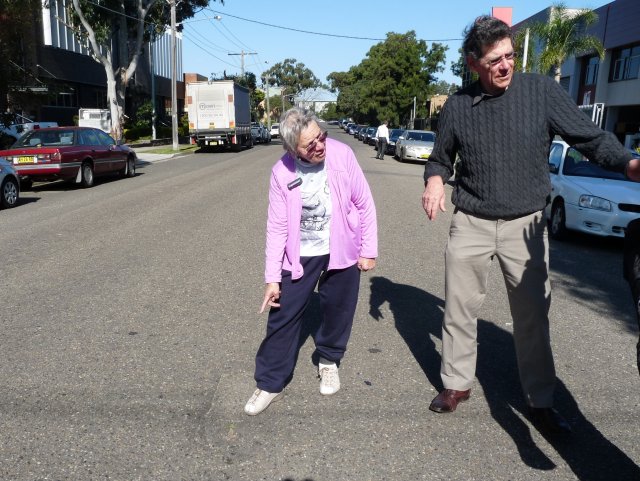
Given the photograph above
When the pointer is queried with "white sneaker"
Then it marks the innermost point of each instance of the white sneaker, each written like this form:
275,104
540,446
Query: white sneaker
329,379
260,401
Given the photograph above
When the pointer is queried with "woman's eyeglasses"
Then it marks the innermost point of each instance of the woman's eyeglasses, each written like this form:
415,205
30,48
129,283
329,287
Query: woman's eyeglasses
311,148
497,61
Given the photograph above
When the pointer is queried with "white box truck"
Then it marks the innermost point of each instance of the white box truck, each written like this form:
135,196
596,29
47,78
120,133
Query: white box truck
219,114
98,118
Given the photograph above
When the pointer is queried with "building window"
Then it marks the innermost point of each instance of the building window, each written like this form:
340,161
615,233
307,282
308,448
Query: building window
625,63
101,99
63,99
591,71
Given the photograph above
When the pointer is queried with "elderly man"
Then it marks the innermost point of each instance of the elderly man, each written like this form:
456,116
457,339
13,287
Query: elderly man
382,134
501,128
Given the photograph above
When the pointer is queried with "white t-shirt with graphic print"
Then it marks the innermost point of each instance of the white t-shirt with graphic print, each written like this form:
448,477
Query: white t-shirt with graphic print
316,209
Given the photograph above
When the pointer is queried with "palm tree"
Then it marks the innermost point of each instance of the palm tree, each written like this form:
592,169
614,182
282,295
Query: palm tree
564,36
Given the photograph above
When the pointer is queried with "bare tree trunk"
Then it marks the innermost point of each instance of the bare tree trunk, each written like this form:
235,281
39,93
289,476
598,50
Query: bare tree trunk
556,73
118,78
114,108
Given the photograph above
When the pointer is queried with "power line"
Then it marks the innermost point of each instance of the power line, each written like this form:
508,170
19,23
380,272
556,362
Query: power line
243,45
225,36
291,29
276,26
205,40
317,33
212,55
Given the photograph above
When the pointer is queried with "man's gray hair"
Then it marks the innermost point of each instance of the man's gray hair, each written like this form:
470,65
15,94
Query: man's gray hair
292,123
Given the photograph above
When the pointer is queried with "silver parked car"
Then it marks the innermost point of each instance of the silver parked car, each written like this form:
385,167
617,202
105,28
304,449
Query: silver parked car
415,145
9,185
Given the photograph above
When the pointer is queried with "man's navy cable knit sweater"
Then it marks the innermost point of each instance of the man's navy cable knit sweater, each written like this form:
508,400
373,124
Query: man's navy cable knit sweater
503,144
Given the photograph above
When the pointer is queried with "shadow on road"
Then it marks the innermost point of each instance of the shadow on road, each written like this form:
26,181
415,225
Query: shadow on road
418,314
573,260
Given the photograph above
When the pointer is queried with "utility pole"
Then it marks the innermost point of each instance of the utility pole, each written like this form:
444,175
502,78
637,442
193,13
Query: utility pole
153,85
526,51
242,54
413,113
174,73
268,108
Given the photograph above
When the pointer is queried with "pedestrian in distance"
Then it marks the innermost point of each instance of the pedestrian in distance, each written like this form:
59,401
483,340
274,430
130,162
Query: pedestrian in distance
382,135
501,127
321,230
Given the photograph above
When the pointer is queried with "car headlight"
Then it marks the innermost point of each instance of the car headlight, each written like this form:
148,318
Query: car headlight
593,202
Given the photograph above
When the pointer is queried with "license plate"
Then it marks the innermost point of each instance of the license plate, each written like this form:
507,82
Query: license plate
424,156
212,142
27,159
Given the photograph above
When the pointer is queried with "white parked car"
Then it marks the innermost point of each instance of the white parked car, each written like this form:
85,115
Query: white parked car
275,131
415,145
588,198
9,185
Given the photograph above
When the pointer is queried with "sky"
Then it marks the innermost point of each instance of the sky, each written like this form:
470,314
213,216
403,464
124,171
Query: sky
343,31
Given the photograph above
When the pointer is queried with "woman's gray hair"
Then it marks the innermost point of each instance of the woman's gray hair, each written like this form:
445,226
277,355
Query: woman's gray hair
292,123
484,32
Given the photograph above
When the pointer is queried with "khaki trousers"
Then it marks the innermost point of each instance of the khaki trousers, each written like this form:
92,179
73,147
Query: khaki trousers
521,247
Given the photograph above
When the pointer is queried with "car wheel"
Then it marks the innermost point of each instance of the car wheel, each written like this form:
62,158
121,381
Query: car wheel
87,174
10,193
557,223
131,167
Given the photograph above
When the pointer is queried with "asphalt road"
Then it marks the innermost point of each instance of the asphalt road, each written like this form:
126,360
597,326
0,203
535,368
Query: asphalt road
130,324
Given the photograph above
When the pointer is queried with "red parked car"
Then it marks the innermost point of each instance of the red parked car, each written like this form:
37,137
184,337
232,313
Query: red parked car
77,154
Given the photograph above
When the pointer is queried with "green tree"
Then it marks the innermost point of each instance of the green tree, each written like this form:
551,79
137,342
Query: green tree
458,67
256,96
292,76
122,23
564,36
276,103
445,88
329,112
383,86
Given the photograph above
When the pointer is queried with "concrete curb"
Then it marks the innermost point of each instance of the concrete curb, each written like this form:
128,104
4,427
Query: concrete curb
151,158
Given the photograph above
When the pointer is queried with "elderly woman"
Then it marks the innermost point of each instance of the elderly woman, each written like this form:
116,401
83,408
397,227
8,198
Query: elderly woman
321,230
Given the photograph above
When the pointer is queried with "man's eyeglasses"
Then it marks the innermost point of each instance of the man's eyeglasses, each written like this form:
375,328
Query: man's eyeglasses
311,148
497,61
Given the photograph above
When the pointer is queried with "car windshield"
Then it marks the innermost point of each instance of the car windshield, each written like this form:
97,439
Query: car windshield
46,138
576,164
395,133
423,136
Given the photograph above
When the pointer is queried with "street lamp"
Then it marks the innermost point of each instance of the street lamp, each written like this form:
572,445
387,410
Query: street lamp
266,81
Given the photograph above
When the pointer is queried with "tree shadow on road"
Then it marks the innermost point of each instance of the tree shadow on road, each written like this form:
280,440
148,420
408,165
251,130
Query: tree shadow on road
418,315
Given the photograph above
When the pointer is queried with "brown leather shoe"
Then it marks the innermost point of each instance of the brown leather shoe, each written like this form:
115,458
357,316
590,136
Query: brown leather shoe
549,421
447,400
